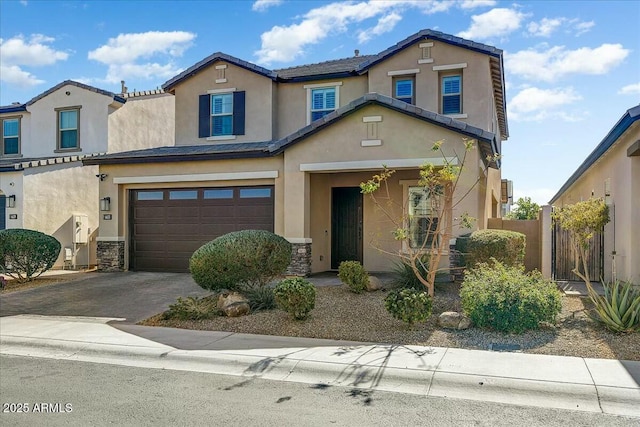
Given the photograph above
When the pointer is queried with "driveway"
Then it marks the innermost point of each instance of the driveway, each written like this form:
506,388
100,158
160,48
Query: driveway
131,295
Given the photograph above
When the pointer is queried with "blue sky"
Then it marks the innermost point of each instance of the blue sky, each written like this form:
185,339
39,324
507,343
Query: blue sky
572,67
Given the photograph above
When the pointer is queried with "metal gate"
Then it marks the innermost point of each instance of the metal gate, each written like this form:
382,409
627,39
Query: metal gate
563,261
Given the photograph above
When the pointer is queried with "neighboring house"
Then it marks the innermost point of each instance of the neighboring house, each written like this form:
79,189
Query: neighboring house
285,150
43,185
612,172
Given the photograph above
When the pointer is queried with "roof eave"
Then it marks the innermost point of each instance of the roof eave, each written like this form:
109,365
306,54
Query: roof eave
167,158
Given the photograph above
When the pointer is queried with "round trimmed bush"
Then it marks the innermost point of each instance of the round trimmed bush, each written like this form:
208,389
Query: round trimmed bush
296,296
26,254
353,274
409,305
239,259
507,299
505,246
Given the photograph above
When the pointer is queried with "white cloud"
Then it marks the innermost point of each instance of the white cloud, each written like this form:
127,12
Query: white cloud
580,27
285,43
534,104
122,54
632,89
545,27
262,5
472,4
18,52
24,2
496,22
557,61
385,24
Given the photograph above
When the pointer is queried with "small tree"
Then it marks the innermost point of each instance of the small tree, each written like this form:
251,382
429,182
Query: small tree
525,209
440,184
583,220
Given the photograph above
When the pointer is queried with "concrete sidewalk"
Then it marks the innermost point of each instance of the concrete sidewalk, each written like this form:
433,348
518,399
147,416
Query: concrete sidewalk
594,385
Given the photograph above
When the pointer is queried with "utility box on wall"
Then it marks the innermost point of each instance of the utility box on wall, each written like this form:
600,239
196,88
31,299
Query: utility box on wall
80,229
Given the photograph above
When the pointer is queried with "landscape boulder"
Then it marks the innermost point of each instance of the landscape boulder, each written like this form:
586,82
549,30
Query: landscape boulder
453,320
374,284
233,304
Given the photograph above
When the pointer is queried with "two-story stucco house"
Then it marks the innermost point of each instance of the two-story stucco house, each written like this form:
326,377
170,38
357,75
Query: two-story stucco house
611,172
285,150
43,184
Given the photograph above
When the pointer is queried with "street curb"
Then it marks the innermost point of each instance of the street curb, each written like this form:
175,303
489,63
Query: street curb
429,380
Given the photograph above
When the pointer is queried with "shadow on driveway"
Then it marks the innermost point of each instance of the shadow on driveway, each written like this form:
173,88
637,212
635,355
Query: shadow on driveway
131,295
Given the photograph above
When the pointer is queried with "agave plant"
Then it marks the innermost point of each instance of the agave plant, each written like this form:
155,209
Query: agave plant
619,308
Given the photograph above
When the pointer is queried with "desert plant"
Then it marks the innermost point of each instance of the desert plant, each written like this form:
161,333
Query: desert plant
192,308
260,298
26,254
505,246
296,296
405,276
507,299
409,305
240,259
353,274
619,308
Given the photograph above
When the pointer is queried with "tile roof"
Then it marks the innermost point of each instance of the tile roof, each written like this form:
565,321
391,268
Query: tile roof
631,116
485,139
336,66
13,164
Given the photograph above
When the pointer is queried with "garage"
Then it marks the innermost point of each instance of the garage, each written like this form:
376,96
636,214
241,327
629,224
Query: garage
168,225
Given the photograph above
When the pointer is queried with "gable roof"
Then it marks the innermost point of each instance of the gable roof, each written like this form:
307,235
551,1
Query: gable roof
628,118
23,107
486,140
335,67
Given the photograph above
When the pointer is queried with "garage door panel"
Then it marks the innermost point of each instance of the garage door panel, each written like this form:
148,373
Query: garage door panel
166,232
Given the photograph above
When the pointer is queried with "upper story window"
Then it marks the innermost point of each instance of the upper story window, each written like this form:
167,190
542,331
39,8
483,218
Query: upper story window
10,136
404,89
451,91
221,114
323,102
68,128
322,99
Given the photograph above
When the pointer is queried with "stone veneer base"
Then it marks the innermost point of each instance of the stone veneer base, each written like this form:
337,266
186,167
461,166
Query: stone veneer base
300,260
110,256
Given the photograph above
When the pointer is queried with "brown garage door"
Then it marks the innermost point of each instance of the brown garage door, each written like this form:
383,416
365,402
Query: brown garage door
168,225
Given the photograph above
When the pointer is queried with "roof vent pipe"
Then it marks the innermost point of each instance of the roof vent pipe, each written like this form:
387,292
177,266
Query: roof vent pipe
356,52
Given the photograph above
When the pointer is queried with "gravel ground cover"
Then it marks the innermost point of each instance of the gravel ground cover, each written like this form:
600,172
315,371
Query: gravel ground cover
341,314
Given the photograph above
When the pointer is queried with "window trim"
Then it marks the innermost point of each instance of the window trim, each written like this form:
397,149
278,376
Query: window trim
460,113
58,111
394,88
2,144
406,185
311,87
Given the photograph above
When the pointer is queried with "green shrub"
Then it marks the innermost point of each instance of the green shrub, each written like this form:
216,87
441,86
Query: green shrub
353,274
296,296
246,258
26,254
405,277
619,308
261,298
505,246
192,308
506,299
409,305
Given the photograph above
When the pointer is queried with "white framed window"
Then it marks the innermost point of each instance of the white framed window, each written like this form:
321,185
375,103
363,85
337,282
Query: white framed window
10,136
68,129
322,99
404,89
221,114
423,220
451,91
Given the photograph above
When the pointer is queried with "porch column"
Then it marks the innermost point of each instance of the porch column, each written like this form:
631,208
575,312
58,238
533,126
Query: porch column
297,227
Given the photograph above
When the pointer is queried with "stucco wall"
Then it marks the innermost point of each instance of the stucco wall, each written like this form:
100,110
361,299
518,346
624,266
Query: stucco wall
259,98
622,234
11,183
40,132
143,122
477,89
52,195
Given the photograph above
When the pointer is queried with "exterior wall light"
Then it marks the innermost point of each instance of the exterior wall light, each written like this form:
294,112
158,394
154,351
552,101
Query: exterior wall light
11,201
105,204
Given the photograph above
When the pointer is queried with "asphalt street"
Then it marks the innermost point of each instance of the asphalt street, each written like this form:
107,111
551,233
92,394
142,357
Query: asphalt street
107,395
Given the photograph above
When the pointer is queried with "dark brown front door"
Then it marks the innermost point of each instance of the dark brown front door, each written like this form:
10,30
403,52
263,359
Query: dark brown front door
346,225
168,225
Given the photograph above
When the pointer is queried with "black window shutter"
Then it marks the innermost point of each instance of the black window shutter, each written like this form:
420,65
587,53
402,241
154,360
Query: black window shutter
238,113
204,122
